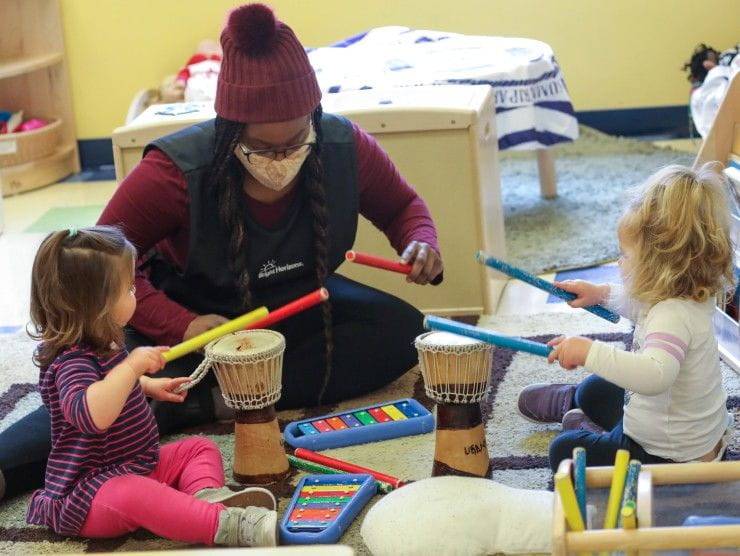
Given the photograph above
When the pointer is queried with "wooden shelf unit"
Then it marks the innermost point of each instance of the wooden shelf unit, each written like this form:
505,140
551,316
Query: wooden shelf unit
33,78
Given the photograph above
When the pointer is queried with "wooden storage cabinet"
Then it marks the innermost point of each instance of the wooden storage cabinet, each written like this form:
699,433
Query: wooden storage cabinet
33,78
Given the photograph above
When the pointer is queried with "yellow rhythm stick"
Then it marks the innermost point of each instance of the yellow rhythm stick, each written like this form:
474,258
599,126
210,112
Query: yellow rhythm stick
621,461
629,520
197,342
568,499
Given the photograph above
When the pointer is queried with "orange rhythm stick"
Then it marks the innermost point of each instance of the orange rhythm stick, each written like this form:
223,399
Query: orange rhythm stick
292,308
377,262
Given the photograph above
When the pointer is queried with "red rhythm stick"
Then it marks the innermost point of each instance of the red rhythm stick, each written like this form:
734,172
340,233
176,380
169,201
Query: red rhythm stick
346,466
378,262
292,308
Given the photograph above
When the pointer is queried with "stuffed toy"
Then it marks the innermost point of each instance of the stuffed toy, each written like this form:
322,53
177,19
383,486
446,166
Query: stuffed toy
199,76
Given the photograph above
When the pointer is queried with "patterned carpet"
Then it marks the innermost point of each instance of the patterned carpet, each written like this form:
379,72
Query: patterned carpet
518,448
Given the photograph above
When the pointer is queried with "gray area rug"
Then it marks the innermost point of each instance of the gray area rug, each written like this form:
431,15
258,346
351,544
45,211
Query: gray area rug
517,448
578,227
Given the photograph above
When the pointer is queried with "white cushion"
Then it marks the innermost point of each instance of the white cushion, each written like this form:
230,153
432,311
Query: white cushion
459,515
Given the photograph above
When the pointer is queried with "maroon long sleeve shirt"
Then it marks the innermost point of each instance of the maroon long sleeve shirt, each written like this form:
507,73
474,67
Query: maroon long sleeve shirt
152,207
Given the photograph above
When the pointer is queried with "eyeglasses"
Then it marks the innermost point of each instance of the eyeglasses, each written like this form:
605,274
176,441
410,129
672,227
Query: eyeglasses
272,154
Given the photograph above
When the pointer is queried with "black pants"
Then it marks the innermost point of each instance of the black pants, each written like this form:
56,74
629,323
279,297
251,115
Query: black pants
373,337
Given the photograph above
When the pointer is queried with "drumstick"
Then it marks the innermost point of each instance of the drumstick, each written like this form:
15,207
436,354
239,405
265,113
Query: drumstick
197,342
538,282
377,262
509,342
347,467
312,467
292,308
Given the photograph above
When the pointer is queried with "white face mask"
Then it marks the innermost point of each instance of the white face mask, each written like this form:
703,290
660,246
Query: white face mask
275,174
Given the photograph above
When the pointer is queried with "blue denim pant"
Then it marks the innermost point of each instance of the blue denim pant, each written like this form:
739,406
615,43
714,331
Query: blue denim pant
603,403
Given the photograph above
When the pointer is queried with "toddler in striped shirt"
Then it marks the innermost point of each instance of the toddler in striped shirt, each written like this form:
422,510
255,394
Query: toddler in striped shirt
107,474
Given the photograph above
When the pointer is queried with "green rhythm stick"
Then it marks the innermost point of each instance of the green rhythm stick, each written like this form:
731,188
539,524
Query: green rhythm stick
305,465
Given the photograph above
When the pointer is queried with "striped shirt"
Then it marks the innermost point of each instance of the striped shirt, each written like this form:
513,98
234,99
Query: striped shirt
677,407
82,456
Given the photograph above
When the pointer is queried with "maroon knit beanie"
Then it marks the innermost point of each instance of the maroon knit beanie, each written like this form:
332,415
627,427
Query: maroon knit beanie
265,73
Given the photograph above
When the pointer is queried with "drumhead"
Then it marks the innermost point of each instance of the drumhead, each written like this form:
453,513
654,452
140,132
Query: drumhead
246,344
447,339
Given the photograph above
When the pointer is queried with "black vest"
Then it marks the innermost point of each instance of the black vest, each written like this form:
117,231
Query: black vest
281,262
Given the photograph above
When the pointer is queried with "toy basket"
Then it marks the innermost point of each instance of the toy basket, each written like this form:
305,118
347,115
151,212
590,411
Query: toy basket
666,495
26,146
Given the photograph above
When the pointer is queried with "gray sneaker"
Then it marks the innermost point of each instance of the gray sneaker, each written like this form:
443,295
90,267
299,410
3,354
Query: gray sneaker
546,403
250,526
250,496
576,420
258,527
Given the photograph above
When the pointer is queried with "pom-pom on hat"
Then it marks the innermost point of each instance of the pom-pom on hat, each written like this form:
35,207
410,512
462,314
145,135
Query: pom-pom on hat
265,74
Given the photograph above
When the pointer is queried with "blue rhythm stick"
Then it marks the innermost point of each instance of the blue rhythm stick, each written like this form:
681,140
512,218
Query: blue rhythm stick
537,282
509,342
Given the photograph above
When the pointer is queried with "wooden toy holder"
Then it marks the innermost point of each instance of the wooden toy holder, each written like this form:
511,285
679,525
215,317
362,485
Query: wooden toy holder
648,538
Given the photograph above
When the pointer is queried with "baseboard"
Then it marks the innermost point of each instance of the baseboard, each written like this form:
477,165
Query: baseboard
95,152
668,121
665,121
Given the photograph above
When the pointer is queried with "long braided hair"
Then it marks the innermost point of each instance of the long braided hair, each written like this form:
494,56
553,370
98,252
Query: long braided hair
227,178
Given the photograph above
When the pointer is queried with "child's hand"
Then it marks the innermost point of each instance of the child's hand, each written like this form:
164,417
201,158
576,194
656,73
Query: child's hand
146,359
570,352
162,389
587,292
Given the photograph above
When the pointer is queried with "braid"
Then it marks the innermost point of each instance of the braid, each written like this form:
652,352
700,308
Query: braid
313,182
227,176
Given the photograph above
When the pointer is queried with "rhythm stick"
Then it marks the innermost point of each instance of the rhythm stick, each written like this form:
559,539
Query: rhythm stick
197,342
537,282
617,487
629,520
579,479
510,342
377,262
630,484
292,308
564,487
305,465
347,467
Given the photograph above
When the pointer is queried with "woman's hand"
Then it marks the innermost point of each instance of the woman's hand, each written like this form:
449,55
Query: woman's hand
587,292
162,389
425,262
570,352
202,323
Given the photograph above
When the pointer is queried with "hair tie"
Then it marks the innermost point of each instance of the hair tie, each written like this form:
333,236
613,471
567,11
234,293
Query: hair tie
72,232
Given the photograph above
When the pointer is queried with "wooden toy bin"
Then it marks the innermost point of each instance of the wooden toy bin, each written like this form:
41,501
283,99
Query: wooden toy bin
666,495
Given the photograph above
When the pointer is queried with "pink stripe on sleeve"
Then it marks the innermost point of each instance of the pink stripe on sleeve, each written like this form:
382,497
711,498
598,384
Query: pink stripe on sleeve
670,338
668,348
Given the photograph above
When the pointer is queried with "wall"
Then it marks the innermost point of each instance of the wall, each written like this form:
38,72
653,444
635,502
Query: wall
614,54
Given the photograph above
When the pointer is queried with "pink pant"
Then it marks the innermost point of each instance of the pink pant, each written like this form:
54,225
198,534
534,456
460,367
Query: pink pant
162,502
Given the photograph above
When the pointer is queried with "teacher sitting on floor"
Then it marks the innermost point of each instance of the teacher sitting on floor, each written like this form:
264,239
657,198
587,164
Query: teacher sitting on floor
258,207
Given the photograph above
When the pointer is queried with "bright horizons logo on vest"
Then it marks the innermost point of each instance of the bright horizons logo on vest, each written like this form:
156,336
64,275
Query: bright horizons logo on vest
270,268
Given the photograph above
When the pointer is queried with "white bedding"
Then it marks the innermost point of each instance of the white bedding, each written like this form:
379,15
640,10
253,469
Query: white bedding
533,108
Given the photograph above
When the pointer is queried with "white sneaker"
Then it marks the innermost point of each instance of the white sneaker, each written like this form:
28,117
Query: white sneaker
258,527
250,496
250,526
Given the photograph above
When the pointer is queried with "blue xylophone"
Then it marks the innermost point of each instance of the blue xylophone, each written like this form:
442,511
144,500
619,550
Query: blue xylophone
403,417
323,506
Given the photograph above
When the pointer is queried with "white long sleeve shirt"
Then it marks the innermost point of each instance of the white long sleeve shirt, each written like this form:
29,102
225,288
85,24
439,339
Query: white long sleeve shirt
677,409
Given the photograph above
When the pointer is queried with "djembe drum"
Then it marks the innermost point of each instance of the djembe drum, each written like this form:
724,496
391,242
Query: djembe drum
248,366
456,372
